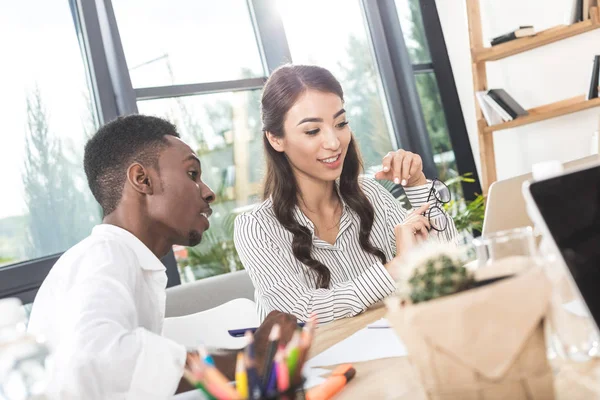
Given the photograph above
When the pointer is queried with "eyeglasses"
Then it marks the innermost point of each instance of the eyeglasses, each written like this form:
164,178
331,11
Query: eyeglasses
441,193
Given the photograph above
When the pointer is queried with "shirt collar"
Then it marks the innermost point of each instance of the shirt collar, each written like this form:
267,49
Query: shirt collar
146,258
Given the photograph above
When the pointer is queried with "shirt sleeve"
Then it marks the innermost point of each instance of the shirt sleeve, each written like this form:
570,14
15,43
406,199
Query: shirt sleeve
107,351
279,285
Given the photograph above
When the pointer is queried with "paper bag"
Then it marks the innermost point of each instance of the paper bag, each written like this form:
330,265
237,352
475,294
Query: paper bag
484,343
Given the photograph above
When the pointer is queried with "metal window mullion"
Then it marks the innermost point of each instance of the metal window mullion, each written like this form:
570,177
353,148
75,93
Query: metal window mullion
115,59
23,280
422,68
100,76
159,92
270,34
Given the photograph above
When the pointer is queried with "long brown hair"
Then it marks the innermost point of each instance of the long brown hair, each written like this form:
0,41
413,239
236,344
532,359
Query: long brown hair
281,91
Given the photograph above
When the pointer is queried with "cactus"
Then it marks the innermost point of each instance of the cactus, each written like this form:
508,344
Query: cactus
438,276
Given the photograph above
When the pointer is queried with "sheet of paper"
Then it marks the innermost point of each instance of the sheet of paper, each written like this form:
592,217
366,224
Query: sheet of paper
314,376
380,324
365,345
576,307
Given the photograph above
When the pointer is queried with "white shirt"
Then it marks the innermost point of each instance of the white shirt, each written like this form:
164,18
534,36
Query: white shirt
101,309
358,279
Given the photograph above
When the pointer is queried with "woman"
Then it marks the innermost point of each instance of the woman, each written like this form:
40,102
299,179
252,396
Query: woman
323,240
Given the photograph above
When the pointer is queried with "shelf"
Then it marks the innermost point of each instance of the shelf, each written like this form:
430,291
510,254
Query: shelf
531,42
547,111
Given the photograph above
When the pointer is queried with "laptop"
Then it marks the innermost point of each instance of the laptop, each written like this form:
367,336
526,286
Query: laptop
568,208
505,206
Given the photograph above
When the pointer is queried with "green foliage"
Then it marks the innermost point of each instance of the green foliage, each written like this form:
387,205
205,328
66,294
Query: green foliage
467,215
438,276
5,260
216,254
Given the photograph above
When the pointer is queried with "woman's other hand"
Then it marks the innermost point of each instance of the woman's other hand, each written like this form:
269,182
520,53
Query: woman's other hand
402,167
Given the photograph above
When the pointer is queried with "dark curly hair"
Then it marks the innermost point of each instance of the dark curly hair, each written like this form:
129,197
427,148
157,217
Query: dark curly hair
282,90
112,149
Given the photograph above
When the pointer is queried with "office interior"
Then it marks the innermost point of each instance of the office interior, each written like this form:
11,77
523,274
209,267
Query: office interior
411,71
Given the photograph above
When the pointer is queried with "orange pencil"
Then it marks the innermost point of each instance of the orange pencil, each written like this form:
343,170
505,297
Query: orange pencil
333,384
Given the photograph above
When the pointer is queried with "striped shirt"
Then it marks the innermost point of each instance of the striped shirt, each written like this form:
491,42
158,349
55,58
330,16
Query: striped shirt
358,279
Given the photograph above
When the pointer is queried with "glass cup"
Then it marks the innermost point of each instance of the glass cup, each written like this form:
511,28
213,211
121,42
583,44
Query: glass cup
504,253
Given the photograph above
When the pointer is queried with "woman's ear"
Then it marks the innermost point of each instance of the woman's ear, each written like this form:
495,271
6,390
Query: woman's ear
139,179
275,141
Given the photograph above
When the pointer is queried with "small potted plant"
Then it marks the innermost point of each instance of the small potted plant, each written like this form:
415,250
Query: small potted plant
469,339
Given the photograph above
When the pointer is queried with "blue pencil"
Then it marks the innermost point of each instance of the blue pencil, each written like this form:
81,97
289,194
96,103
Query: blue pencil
253,378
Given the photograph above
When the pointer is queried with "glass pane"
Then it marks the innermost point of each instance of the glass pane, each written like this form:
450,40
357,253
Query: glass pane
342,45
411,21
433,112
48,112
188,41
225,130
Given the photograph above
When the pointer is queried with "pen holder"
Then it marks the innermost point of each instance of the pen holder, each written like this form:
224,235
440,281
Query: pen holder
293,393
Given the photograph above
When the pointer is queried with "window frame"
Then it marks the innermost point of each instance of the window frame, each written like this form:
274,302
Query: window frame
114,94
399,74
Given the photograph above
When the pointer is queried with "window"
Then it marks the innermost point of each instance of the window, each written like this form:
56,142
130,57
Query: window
201,64
338,40
189,41
48,113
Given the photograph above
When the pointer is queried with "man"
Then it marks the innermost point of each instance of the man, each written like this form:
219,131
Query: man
101,308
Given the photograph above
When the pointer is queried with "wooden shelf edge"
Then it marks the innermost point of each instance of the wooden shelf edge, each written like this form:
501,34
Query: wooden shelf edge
548,111
528,43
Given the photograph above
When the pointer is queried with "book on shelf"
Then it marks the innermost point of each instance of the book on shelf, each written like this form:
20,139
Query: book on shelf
507,103
496,107
522,31
580,10
492,117
594,80
585,9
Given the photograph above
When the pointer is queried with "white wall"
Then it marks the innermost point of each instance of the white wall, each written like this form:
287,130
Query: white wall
544,75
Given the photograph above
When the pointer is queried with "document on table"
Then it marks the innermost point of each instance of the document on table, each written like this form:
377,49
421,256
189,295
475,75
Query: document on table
365,345
381,323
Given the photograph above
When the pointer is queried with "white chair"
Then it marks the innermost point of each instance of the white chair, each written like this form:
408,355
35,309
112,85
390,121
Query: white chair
207,293
210,327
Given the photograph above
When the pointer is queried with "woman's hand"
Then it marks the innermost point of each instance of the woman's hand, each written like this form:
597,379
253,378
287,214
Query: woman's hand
418,223
402,167
413,230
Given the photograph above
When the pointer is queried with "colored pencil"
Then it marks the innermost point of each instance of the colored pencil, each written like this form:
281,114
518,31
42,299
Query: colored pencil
241,378
253,378
270,354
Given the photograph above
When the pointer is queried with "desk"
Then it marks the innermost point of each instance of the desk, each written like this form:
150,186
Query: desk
393,378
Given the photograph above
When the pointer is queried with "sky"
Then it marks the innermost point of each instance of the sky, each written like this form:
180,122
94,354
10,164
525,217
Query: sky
201,40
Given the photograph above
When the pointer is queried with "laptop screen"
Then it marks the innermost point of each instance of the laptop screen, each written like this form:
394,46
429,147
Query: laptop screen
570,206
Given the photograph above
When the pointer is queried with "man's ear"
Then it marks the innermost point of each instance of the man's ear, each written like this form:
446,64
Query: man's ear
139,178
276,142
